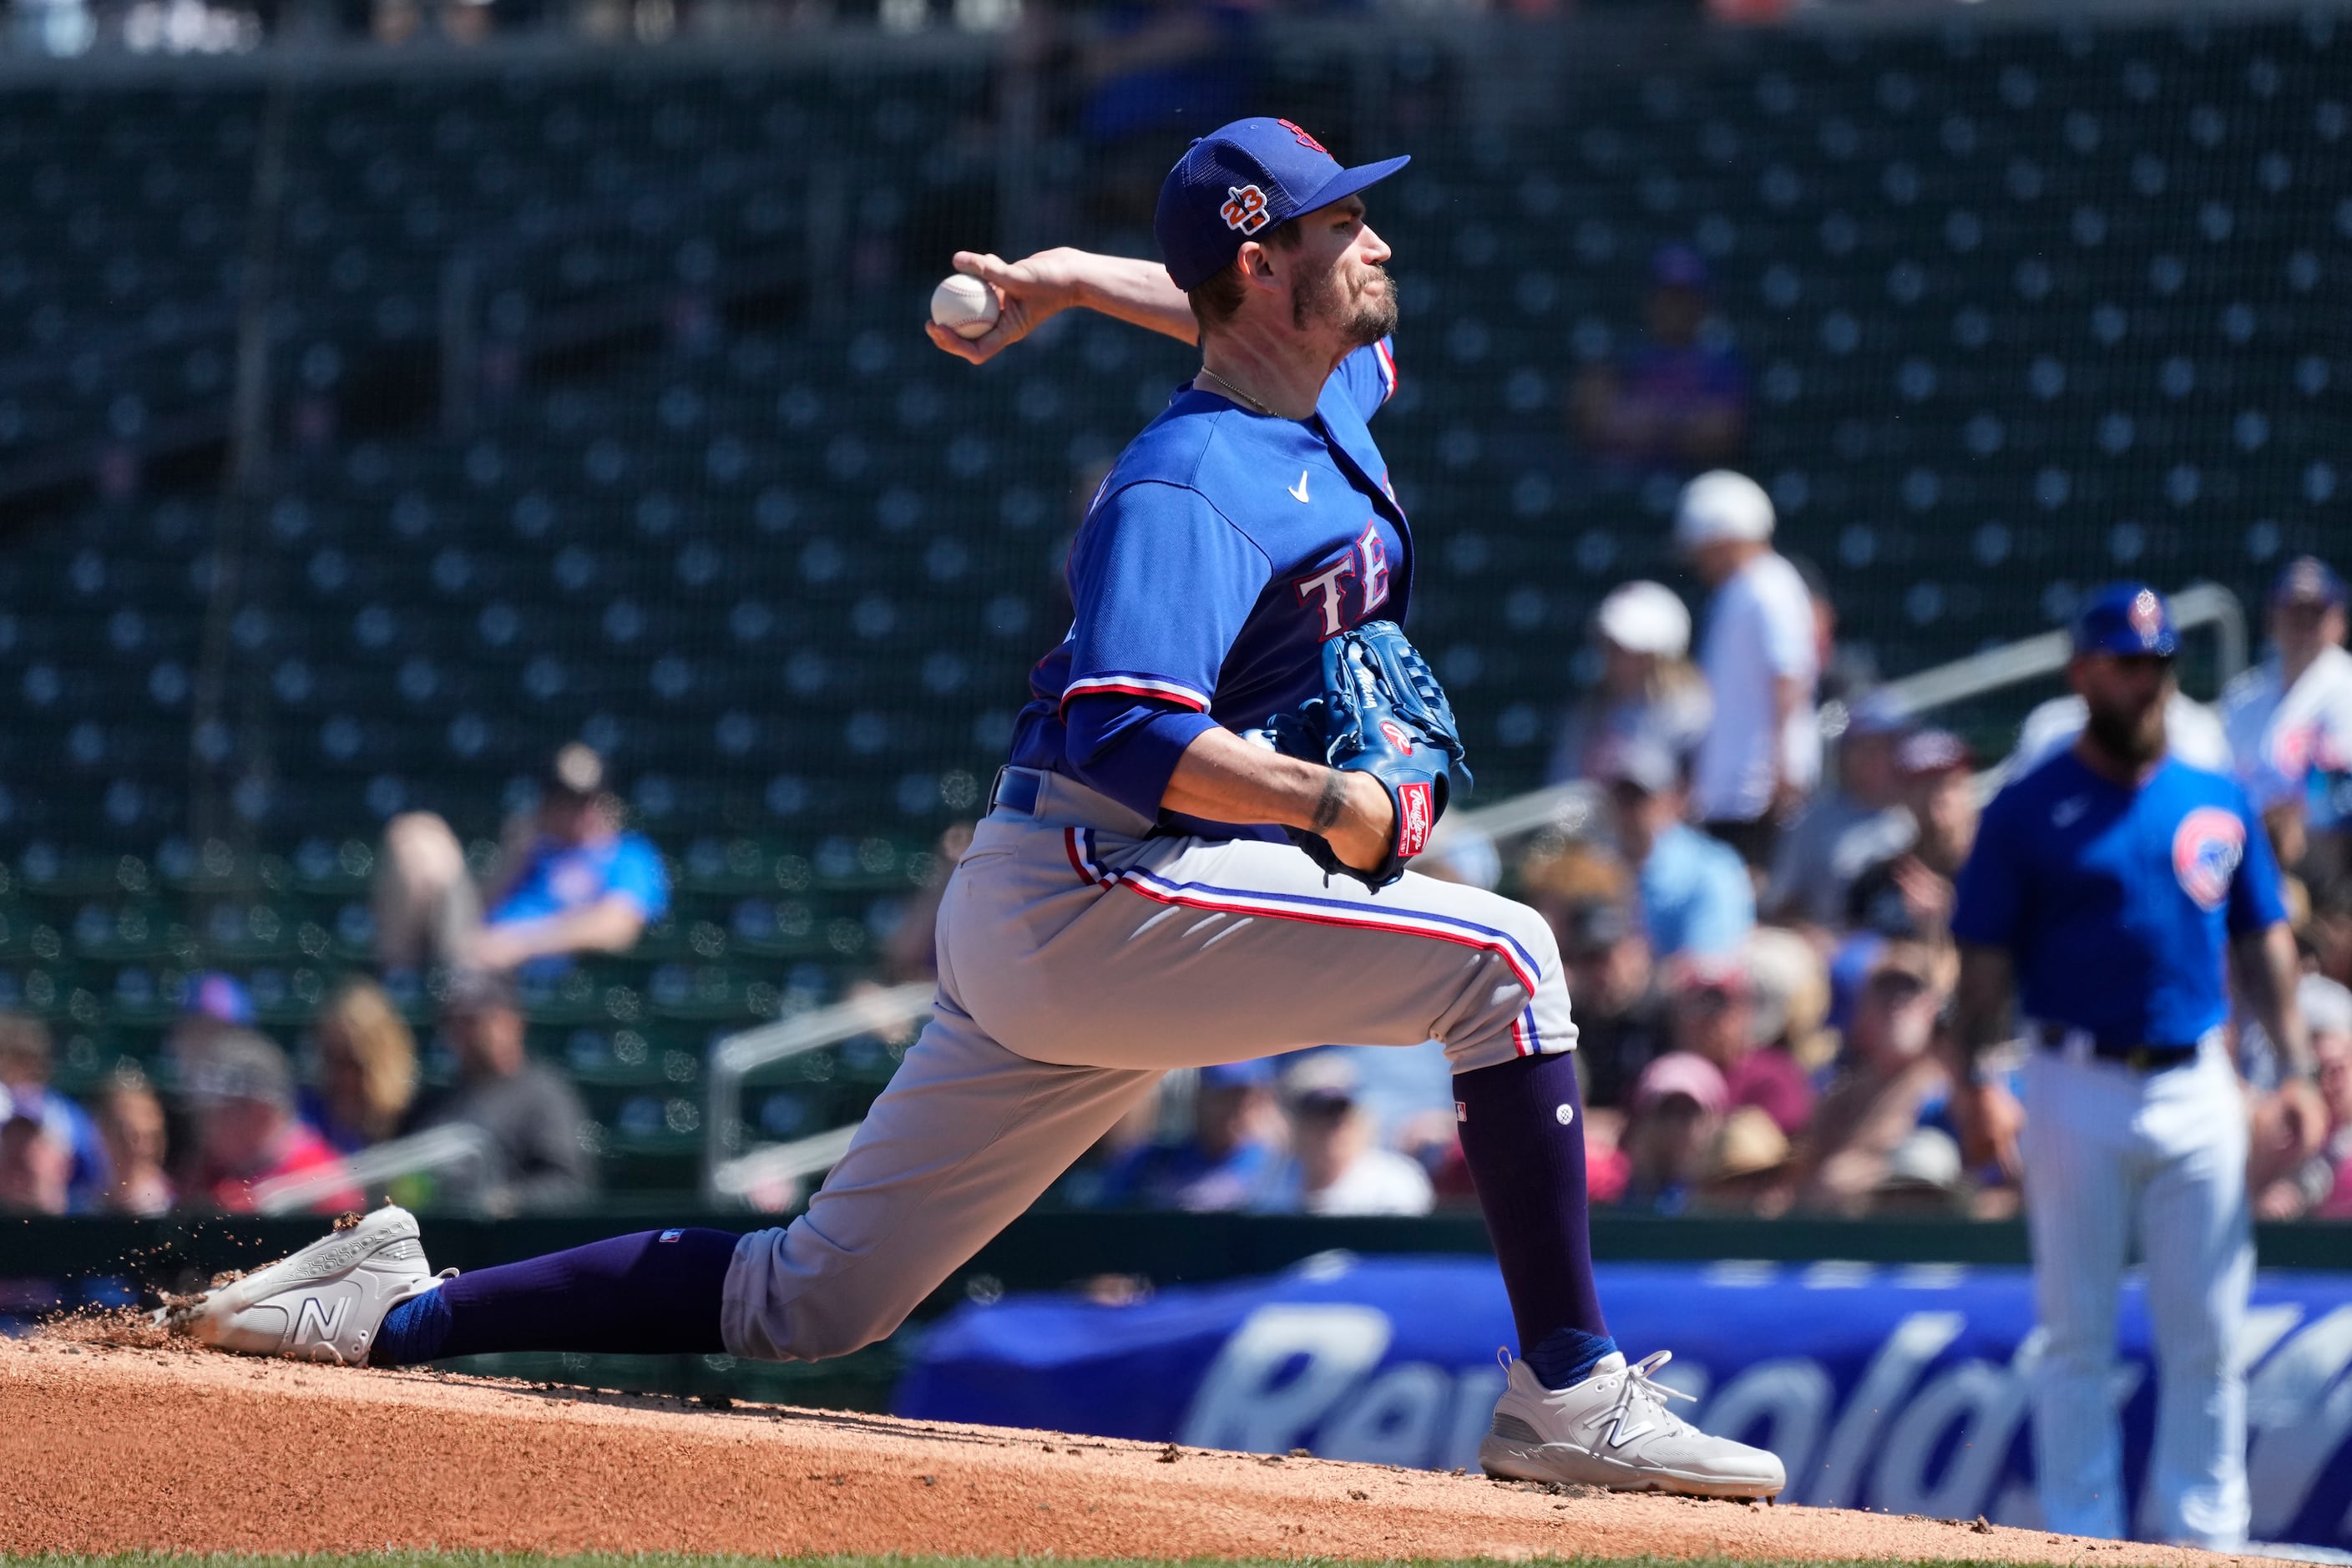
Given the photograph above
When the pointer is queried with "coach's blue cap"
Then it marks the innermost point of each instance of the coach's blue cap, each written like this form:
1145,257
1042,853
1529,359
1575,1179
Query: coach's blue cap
2307,580
2129,618
1238,181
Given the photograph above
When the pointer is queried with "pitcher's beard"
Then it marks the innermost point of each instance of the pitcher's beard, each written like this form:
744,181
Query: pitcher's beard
2135,743
1362,322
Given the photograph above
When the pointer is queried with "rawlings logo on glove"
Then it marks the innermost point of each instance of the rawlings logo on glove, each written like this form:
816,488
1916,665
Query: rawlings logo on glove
1382,713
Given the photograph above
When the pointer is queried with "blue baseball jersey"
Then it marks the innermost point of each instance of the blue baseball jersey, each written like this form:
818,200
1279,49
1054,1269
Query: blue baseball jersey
1224,547
2117,904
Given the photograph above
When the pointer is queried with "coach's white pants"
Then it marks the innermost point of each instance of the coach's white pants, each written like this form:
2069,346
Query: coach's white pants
2111,1154
1080,959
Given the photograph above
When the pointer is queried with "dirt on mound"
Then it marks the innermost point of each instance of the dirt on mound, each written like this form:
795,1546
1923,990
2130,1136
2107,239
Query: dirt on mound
108,1447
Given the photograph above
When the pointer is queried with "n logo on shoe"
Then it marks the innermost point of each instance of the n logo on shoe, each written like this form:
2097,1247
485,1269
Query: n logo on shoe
1617,1437
318,1322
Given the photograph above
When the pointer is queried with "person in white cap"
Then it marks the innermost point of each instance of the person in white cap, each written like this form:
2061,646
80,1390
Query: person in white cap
1648,688
1762,755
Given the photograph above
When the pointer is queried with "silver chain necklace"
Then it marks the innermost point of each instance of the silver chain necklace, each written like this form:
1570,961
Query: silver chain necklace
1235,392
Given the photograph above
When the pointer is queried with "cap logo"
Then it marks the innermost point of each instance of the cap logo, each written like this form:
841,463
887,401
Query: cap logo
2146,617
1304,139
1245,209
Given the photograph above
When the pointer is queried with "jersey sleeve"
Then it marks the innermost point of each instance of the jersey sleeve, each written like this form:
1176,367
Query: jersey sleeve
1990,894
637,876
1163,584
2255,900
1370,376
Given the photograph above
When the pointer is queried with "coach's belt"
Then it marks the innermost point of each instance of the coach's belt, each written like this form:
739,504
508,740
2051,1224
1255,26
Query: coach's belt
2138,1055
1016,790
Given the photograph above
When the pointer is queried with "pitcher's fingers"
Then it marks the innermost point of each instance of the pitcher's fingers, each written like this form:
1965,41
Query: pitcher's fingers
991,269
963,348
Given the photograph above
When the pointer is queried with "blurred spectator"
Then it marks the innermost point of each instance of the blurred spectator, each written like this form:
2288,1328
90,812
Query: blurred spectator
1910,894
216,1004
1336,1165
1715,1015
1923,1178
131,1118
1408,1090
1679,401
1887,1079
1648,687
1747,1166
1150,73
1621,1014
1696,895
1228,1161
35,1167
1791,985
247,1135
1847,830
25,1062
2285,1184
367,1068
2336,1089
570,881
531,1113
1676,1110
1762,755
2289,718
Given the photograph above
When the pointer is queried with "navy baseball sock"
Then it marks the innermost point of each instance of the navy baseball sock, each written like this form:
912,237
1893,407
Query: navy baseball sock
1523,1138
653,1293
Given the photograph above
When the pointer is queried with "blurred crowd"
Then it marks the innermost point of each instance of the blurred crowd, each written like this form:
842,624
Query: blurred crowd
241,1124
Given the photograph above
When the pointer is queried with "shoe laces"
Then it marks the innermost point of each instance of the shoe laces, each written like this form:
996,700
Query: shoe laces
1640,1391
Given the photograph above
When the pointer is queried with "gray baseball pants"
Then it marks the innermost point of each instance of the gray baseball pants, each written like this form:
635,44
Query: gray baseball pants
1080,959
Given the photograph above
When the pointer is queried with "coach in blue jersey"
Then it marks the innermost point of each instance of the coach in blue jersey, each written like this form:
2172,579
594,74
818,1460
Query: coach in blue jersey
2110,890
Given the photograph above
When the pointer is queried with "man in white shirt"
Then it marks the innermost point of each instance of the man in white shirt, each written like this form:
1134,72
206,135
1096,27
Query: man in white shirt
1762,756
1337,1164
2291,716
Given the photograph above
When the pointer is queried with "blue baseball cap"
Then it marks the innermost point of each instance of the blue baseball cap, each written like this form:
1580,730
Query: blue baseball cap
2307,580
1238,181
2128,619
220,997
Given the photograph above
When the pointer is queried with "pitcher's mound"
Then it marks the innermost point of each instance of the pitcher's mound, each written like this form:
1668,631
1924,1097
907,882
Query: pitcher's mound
107,1449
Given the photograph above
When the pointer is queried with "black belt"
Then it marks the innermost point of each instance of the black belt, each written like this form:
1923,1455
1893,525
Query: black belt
2138,1055
1016,790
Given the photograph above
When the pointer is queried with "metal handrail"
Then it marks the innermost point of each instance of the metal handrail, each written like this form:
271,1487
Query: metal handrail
2199,604
727,1177
437,1148
1569,808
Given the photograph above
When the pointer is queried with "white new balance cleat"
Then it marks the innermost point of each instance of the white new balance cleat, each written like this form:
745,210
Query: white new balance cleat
1613,1429
324,1303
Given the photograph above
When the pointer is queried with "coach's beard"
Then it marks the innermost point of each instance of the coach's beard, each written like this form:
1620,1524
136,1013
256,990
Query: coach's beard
2135,740
1361,323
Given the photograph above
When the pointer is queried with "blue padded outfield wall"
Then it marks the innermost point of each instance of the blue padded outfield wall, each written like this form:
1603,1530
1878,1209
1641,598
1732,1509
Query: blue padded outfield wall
1897,1388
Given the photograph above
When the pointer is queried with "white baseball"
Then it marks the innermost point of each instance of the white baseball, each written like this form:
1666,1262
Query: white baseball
964,306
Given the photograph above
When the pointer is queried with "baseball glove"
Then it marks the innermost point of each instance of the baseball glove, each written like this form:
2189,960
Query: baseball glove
1382,713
